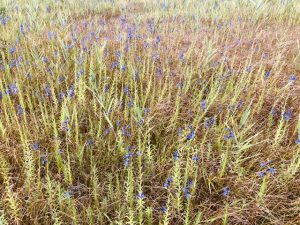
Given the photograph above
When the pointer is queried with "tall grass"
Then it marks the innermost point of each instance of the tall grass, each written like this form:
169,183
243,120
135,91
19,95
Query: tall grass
150,112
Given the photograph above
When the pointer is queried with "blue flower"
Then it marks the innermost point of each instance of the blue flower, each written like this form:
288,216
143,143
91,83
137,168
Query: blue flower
20,110
293,78
45,59
261,173
61,79
263,164
65,125
226,191
22,31
179,132
126,90
195,158
49,35
114,65
13,63
180,85
273,112
106,88
4,20
190,183
288,114
130,34
271,170
61,96
157,40
164,209
47,90
118,123
123,68
140,195
191,135
123,20
265,55
168,182
249,69
126,162
44,159
187,195
130,104
209,122
176,155
136,75
267,74
36,146
181,56
150,26
12,89
125,130
158,72
141,122
186,190
8,92
297,141
240,104
229,136
80,73
12,50
90,142
146,111
127,158
203,104
68,194
71,91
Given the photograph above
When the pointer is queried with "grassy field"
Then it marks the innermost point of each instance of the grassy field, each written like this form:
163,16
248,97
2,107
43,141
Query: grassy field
150,112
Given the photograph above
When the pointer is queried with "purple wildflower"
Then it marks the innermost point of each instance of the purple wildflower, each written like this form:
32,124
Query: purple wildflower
267,74
68,194
47,90
261,173
203,104
176,155
229,136
140,195
157,40
71,91
271,170
168,182
164,209
20,110
191,135
288,114
195,158
209,122
293,78
36,146
226,191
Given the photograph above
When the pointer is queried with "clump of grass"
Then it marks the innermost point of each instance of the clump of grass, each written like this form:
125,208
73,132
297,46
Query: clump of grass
150,112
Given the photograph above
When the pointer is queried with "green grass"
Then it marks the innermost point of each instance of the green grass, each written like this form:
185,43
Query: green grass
149,112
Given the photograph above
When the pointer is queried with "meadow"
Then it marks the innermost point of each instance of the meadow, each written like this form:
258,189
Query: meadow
150,112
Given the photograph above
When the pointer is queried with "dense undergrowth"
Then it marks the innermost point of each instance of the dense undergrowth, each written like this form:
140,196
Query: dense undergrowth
150,112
